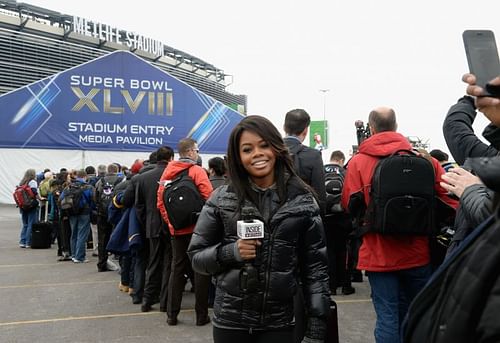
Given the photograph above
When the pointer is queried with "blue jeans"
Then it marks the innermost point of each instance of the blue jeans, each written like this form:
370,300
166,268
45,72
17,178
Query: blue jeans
80,228
29,218
392,293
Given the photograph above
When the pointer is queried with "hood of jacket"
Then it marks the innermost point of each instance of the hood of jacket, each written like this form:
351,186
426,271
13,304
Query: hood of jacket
175,167
384,144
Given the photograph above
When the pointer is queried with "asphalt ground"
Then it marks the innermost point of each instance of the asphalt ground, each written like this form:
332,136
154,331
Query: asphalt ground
43,300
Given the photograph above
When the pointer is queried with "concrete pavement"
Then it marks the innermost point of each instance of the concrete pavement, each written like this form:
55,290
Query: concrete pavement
43,300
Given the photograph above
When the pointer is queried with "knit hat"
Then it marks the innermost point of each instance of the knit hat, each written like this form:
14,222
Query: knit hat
136,167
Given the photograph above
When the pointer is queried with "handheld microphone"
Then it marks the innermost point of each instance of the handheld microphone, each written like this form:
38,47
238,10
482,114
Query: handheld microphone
249,228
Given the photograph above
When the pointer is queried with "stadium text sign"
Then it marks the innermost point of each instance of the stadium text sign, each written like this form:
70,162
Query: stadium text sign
109,33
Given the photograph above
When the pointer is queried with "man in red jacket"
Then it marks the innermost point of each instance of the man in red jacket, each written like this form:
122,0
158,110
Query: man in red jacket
189,153
397,266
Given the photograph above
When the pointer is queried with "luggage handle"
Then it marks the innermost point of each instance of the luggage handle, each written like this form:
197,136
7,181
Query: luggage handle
46,210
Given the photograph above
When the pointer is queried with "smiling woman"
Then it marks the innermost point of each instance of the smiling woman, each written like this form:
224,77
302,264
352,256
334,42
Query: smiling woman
257,157
258,306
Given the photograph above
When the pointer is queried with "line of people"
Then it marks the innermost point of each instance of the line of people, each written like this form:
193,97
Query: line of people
278,288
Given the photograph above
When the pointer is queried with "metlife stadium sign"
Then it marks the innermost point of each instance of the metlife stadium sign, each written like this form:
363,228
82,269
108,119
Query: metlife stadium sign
117,102
112,34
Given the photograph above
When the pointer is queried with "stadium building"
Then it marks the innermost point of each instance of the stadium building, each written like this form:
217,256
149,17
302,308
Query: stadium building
37,42
76,92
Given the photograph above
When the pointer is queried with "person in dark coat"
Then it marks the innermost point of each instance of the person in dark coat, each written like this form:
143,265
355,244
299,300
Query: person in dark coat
459,134
476,203
310,163
460,302
156,232
104,228
258,278
464,144
217,171
338,227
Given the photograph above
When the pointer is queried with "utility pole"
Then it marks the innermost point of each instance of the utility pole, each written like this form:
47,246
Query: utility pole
325,124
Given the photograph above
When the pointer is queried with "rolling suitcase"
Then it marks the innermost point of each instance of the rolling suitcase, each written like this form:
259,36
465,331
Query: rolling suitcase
41,233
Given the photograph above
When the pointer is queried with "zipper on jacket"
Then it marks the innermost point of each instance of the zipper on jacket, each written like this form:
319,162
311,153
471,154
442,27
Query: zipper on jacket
266,277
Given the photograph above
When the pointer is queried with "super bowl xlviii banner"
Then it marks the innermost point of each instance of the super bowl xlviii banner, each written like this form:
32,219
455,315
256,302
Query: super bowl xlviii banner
116,102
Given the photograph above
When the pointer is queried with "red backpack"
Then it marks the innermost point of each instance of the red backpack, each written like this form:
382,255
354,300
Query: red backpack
24,197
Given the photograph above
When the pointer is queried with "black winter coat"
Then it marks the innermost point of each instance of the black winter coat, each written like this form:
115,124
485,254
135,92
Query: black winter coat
459,134
293,247
460,303
145,200
476,204
310,169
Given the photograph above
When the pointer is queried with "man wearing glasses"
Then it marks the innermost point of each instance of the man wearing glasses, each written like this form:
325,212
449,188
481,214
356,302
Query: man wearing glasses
181,236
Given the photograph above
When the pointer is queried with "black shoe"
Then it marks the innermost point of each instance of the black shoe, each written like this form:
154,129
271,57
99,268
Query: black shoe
136,300
104,269
203,320
333,291
172,320
146,306
346,290
357,277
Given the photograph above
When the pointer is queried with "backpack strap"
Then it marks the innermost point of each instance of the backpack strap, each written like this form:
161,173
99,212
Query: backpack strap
184,172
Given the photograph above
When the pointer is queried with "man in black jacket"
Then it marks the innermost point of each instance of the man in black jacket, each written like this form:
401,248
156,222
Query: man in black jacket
157,234
308,162
309,166
104,228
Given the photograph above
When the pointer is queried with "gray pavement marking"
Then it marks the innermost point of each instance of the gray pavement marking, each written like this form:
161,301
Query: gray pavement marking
58,284
27,265
111,315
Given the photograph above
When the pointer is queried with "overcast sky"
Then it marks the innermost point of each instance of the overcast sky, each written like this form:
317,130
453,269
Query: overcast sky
404,54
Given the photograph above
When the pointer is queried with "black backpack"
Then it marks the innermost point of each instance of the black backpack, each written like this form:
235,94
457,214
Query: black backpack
402,196
334,183
106,193
71,202
182,200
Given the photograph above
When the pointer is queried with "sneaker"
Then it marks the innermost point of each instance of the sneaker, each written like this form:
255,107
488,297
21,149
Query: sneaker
64,257
27,246
123,288
110,265
22,246
80,261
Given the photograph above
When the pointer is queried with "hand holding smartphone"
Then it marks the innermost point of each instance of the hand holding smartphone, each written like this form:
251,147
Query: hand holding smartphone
482,57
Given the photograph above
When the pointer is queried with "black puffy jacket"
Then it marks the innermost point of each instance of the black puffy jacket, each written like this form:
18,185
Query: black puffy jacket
293,247
476,205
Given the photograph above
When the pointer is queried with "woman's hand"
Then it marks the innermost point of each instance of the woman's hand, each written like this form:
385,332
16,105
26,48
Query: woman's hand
247,248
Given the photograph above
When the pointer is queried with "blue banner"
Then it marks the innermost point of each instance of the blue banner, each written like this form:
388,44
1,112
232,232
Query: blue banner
117,102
